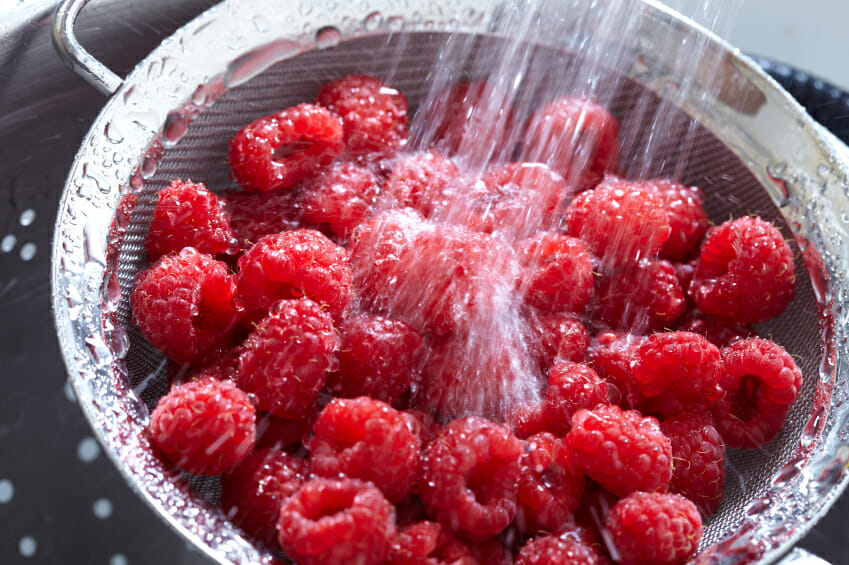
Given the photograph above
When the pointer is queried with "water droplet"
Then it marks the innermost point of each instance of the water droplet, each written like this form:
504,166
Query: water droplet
261,24
395,23
27,217
255,62
8,243
102,508
373,21
28,250
88,450
175,128
27,546
148,167
305,8
69,392
327,37
118,559
113,133
7,491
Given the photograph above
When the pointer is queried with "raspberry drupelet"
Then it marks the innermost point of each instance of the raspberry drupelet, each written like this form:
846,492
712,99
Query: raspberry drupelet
365,439
745,272
342,197
287,357
337,522
204,427
557,273
571,544
183,304
279,151
188,215
469,477
428,543
654,528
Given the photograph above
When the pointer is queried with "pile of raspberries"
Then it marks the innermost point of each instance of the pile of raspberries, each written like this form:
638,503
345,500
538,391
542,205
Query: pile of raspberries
389,360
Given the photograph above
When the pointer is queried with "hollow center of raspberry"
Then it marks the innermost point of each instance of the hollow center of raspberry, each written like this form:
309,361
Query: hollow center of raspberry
744,404
329,505
283,152
480,482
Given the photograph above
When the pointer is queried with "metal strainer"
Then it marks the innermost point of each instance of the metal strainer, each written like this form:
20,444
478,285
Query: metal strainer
732,131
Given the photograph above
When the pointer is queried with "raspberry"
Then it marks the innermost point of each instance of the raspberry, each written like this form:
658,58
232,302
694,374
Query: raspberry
652,528
645,296
761,381
572,545
426,426
718,332
378,357
252,493
425,182
577,137
687,218
557,337
279,151
223,367
365,439
188,215
183,305
428,543
282,434
571,386
288,356
698,459
294,264
254,215
204,427
680,370
558,273
621,450
612,355
469,477
550,485
527,419
342,198
336,522
622,222
745,272
374,114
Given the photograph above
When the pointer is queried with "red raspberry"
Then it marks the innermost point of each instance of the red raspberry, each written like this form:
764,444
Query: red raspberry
718,332
556,337
469,477
622,222
577,137
288,356
374,114
188,215
745,272
223,367
294,264
761,381
687,218
621,450
557,273
550,486
425,182
337,522
183,304
492,551
571,386
652,528
428,543
426,426
254,215
572,544
679,371
698,459
685,272
527,419
365,439
641,297
283,434
252,493
342,198
279,151
612,356
204,427
378,357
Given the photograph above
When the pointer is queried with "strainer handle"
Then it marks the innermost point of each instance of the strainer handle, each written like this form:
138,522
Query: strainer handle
78,59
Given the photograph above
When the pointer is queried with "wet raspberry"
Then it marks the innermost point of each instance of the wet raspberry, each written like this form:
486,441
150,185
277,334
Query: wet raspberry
222,367
425,426
653,528
294,264
373,114
572,545
284,434
428,543
252,493
621,450
761,381
679,371
341,198
183,304
365,439
378,357
641,297
426,182
279,151
469,477
337,522
621,222
571,386
698,459
745,272
577,137
204,427
718,332
556,337
687,218
254,215
612,356
557,273
550,485
188,215
288,356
